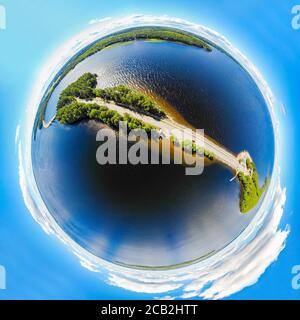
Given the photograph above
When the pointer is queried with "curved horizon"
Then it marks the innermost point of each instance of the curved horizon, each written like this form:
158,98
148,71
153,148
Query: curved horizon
266,220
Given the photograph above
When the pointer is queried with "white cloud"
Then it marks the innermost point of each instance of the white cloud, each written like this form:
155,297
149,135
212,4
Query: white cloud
142,287
235,267
88,265
17,135
165,298
101,20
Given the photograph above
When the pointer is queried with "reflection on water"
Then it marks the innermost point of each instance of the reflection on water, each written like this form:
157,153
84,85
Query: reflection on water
155,215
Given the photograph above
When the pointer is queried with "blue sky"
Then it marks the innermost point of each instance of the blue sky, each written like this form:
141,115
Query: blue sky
39,266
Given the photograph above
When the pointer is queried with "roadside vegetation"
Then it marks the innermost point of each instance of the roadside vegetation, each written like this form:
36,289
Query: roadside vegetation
70,110
85,88
78,111
82,88
195,149
251,191
127,97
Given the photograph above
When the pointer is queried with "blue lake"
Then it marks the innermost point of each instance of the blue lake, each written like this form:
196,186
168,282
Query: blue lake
155,215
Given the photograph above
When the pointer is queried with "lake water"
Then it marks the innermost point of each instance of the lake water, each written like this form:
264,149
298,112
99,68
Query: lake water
156,215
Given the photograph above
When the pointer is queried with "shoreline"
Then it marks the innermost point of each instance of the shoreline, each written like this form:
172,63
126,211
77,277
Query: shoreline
139,33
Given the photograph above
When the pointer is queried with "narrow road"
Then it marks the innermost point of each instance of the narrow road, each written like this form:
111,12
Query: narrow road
46,125
221,154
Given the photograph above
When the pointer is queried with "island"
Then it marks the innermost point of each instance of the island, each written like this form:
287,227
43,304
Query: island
82,99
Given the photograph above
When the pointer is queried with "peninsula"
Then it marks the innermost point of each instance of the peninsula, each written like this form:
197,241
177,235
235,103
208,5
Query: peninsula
83,100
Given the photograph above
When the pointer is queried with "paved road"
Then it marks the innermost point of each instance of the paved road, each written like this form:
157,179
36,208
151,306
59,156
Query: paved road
221,154
46,125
